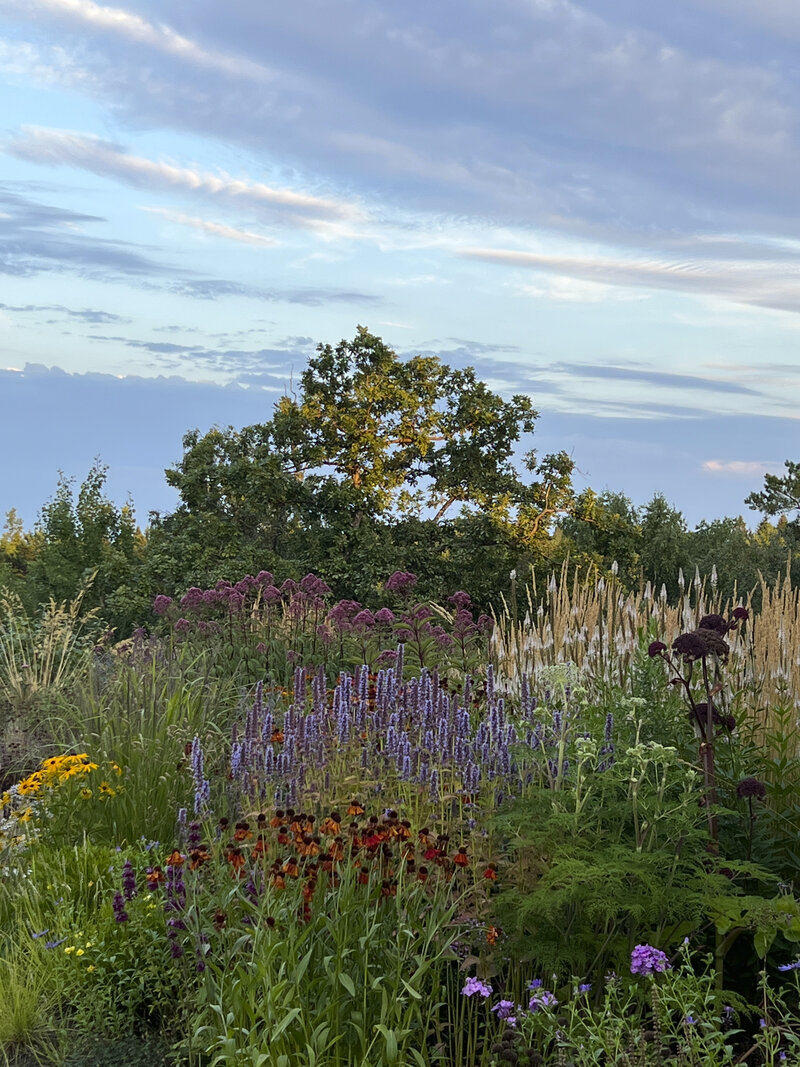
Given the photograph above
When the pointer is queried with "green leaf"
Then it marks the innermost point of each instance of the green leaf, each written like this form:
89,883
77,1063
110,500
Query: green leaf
348,983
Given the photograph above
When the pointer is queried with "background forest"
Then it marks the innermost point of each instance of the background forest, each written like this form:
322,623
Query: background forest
375,465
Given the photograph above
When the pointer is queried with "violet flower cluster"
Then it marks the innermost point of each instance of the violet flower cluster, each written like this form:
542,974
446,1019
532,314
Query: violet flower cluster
648,961
415,730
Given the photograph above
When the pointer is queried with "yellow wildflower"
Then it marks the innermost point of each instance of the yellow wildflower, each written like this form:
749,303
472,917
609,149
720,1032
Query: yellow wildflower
91,967
69,948
106,790
79,952
86,794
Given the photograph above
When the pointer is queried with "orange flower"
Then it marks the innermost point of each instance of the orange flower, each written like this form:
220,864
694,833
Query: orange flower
235,857
197,857
491,873
332,825
175,859
277,819
461,859
260,847
355,808
290,867
155,877
388,888
277,736
492,934
242,832
422,874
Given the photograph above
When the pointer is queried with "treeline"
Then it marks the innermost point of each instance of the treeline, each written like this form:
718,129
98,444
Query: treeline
377,465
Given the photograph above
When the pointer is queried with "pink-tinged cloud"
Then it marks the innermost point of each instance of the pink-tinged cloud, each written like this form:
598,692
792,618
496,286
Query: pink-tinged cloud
739,468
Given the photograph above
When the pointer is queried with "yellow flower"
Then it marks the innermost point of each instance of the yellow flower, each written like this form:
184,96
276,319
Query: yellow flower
115,767
25,816
91,967
79,952
106,790
86,793
69,948
89,944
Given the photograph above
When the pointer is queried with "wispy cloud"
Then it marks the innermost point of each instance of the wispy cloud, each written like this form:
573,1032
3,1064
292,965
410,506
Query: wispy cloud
740,468
769,285
665,379
61,148
121,22
214,229
88,315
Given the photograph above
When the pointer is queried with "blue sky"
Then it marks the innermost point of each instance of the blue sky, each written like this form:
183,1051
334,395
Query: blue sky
595,203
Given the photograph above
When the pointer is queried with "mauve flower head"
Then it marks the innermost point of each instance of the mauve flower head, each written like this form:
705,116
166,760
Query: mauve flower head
264,578
485,624
223,583
741,614
161,604
751,787
365,620
713,622
192,599
387,657
235,601
655,648
691,646
272,594
443,639
182,626
400,582
212,597
647,960
289,586
384,617
461,599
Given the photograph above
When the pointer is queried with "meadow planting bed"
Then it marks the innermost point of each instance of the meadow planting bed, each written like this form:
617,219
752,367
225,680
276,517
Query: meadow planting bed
277,831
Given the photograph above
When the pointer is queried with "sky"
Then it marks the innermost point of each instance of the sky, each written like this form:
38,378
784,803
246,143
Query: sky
594,203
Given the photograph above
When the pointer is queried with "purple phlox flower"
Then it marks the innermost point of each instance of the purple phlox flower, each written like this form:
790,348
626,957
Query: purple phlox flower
545,999
474,986
585,987
54,944
647,960
690,1020
505,1009
727,1011
40,934
762,1023
790,966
